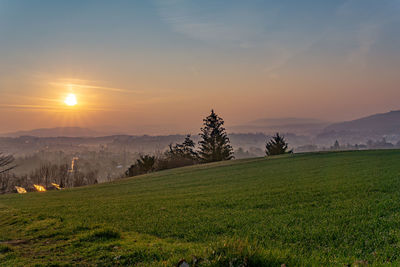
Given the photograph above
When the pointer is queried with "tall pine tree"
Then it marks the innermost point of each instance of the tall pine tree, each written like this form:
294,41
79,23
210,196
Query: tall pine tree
215,144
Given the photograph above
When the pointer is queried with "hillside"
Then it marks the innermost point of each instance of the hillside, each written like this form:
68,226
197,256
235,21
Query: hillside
304,209
384,123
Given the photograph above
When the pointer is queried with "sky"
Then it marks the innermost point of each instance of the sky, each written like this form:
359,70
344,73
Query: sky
160,66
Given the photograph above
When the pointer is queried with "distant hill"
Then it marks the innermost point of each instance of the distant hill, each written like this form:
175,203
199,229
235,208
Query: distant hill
383,123
307,126
371,127
56,132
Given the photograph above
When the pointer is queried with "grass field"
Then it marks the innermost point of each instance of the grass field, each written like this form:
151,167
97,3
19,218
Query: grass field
308,209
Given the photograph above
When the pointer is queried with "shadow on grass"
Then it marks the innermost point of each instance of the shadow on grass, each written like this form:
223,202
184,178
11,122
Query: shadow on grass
101,235
5,249
242,253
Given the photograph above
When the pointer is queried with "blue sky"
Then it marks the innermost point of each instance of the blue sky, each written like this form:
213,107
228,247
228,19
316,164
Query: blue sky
174,59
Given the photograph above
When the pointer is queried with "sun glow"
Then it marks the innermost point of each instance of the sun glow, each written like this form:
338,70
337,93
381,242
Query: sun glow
40,188
70,100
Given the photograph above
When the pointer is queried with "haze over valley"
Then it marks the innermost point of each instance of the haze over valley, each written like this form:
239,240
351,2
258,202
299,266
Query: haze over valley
194,133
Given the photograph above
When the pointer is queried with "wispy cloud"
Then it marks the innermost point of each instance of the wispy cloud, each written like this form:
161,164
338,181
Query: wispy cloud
371,19
52,108
29,107
245,26
86,84
28,97
211,23
366,37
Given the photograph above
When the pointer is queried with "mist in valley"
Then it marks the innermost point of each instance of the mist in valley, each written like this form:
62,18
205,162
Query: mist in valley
78,161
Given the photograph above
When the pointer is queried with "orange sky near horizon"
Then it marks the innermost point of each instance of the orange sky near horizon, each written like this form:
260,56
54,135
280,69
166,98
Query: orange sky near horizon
168,110
159,67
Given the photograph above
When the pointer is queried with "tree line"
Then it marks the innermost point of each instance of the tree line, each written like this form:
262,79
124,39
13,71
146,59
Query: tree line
213,146
47,175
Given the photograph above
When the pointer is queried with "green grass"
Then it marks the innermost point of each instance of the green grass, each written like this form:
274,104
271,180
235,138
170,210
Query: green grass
316,209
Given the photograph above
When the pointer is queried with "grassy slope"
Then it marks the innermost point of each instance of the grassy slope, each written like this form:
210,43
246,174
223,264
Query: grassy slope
327,208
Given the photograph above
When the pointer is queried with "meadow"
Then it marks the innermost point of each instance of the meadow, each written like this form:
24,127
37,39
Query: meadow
313,209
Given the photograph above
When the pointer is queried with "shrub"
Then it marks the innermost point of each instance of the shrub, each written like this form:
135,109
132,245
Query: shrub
144,164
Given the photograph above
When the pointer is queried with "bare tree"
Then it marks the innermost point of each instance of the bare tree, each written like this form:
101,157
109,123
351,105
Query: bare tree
45,174
91,177
6,163
63,175
5,180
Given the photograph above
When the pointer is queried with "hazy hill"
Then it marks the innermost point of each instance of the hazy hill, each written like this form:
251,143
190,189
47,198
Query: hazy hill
316,209
384,123
307,126
56,132
299,131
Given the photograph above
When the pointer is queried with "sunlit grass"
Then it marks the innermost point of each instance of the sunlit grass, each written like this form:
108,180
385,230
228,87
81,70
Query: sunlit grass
311,209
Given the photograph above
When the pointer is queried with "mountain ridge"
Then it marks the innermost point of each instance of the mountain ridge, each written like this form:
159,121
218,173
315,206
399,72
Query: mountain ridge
380,123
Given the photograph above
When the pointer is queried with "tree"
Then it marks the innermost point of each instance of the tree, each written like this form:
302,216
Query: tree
5,163
146,163
143,165
63,175
186,150
188,147
45,174
336,145
277,146
179,155
215,144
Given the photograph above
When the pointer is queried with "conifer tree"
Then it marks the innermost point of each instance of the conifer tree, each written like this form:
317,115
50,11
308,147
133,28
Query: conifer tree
185,150
215,144
188,147
277,146
336,145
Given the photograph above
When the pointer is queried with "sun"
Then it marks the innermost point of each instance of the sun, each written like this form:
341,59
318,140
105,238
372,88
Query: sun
70,100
